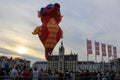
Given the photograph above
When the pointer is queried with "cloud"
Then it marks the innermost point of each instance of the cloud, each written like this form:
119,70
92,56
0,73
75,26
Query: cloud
7,51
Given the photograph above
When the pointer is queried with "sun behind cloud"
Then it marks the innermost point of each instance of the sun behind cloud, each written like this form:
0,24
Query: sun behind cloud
21,50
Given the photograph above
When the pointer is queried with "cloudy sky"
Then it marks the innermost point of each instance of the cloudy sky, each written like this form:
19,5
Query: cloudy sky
82,19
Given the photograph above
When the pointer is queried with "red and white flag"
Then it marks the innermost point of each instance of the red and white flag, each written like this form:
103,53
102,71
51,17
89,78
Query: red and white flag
115,52
89,47
109,50
97,50
103,49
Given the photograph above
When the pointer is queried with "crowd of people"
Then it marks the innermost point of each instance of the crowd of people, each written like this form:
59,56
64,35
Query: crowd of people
25,73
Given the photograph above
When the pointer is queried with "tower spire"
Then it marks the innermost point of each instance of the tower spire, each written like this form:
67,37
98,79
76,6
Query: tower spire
61,43
61,56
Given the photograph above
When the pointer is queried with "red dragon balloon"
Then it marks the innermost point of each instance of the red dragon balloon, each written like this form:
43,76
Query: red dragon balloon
49,32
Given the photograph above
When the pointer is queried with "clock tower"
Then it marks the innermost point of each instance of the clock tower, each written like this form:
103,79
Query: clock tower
61,57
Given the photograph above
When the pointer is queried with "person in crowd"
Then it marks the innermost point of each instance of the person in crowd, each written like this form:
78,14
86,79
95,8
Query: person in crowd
41,72
87,75
6,67
61,75
35,73
56,74
99,76
2,74
117,76
104,76
31,74
26,74
7,70
67,75
14,73
45,75
112,75
51,76
72,75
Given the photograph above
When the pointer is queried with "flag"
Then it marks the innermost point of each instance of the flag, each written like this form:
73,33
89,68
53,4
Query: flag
97,50
89,46
103,49
115,52
109,50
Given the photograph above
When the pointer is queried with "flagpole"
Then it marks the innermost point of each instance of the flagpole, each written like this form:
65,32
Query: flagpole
108,58
87,50
102,58
95,52
87,57
113,56
95,58
102,62
109,52
109,62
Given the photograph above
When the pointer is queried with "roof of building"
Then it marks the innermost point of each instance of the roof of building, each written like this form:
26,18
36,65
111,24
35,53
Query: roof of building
71,57
86,62
41,62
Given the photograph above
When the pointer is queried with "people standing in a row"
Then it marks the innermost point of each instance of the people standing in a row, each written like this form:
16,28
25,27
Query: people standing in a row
25,73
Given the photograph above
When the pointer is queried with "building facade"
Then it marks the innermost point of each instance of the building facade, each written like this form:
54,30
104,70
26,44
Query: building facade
88,65
63,62
70,63
13,62
40,65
